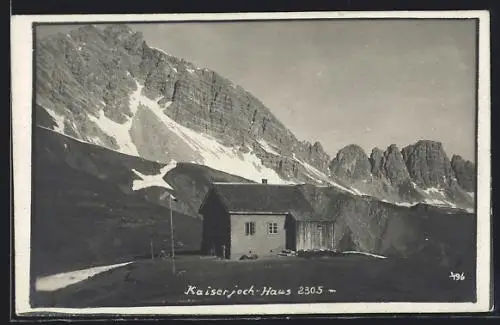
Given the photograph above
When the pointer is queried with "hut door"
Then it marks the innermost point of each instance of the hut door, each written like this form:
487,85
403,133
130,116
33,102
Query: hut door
319,229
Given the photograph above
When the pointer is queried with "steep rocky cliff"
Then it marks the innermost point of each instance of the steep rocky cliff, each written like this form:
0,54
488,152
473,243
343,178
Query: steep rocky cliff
464,172
421,172
428,164
106,86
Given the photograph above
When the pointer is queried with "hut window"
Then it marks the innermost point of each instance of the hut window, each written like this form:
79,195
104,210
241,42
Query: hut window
249,228
272,228
320,227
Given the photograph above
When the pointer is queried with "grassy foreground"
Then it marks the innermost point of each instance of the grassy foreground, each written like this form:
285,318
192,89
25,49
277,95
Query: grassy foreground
350,278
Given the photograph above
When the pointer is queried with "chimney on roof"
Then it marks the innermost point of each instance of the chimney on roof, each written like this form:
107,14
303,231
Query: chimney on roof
264,181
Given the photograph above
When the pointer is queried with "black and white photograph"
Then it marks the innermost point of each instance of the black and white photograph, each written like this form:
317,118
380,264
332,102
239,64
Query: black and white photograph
252,164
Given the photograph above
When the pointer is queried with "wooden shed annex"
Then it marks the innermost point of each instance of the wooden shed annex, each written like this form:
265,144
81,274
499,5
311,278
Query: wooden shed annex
262,219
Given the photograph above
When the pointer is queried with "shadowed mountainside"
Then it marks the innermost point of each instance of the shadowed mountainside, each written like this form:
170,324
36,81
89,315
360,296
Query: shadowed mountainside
87,212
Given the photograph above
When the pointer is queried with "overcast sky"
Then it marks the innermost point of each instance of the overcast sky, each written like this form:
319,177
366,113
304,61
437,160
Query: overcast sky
369,82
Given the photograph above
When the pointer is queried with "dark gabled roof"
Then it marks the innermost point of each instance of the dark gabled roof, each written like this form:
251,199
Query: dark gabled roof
247,198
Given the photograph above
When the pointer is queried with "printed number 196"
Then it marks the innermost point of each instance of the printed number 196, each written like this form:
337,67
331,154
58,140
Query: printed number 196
457,276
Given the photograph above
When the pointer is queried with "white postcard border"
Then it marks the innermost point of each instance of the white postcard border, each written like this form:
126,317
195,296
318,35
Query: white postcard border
22,61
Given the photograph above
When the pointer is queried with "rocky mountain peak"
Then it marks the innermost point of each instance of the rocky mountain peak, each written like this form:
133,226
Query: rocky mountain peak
464,172
95,79
351,162
394,166
428,164
376,161
317,156
123,36
317,146
115,30
85,32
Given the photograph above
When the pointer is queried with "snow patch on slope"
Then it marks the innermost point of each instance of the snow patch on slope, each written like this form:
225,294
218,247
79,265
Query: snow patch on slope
215,155
96,140
358,192
364,253
70,137
433,190
438,202
58,119
154,180
267,147
405,204
436,196
121,132
401,204
318,175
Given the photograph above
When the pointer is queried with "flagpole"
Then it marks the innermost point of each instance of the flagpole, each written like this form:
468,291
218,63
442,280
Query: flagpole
172,236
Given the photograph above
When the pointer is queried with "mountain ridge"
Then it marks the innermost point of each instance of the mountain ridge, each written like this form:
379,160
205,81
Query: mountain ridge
109,88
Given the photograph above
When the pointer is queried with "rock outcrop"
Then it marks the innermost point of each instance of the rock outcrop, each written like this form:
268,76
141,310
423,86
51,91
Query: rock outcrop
351,163
394,166
420,172
376,162
428,164
465,172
